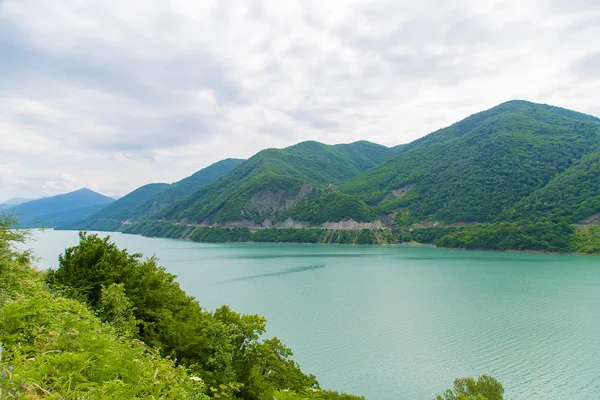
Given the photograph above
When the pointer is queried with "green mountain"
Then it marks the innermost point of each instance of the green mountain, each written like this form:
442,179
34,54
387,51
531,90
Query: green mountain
266,188
573,196
178,190
517,176
475,169
111,216
54,210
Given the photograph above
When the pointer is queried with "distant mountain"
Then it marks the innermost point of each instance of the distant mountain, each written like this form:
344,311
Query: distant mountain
149,199
269,185
110,217
50,211
69,216
14,201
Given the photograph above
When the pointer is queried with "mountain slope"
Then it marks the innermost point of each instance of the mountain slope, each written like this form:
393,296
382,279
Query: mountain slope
472,170
365,154
274,180
572,196
42,211
111,216
178,190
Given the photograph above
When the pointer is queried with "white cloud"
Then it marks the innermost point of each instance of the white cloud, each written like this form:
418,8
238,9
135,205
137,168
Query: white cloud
113,95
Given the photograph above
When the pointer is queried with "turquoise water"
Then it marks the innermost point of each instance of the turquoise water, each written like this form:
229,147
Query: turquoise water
401,322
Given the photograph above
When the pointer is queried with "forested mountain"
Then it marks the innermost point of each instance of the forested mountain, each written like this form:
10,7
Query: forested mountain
178,190
260,190
476,168
149,199
517,176
111,217
54,210
573,196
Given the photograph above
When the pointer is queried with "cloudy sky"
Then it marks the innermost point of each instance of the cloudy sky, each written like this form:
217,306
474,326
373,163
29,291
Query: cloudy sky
113,94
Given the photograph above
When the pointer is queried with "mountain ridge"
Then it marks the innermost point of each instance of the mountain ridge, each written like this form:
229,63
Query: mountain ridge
520,169
43,211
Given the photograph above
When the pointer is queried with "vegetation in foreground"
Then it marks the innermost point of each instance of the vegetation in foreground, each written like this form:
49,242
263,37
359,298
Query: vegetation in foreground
107,324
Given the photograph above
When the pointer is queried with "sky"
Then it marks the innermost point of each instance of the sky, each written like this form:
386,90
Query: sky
113,94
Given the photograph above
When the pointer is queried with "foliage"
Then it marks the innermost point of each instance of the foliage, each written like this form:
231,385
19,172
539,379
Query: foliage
116,309
543,236
310,394
224,347
572,196
329,206
53,347
587,239
483,388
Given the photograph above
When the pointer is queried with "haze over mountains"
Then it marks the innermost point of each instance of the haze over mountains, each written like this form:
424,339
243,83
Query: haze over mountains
61,209
518,161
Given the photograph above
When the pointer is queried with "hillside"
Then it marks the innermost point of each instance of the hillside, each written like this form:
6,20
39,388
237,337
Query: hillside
260,190
50,211
474,169
178,190
111,216
573,196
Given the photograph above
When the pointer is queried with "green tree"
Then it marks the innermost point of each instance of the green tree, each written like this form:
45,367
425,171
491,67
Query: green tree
483,388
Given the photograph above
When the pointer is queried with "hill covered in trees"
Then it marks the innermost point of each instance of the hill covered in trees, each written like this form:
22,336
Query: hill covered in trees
517,176
274,180
476,168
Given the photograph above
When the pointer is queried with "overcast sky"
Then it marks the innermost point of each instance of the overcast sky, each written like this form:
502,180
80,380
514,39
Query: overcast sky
113,94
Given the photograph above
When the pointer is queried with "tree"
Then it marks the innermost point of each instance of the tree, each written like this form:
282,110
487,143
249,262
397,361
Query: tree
484,388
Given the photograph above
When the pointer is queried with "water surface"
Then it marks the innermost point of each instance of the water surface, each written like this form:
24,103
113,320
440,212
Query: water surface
401,322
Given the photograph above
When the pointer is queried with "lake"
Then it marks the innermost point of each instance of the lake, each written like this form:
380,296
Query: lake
401,322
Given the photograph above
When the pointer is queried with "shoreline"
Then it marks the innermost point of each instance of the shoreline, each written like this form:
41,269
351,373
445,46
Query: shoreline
407,244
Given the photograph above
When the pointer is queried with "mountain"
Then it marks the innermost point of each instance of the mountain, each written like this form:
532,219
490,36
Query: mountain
14,201
110,217
49,210
268,186
66,217
572,196
520,175
475,169
178,190
149,199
